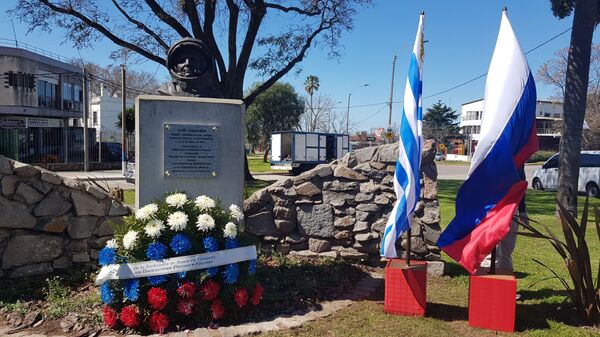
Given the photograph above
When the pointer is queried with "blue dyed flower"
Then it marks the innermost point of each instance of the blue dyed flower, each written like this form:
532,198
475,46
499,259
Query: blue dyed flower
210,244
212,271
182,275
106,293
180,244
251,267
107,256
156,280
231,273
131,290
156,251
231,243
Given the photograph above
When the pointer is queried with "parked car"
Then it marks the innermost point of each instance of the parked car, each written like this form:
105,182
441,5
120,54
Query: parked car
130,171
439,156
111,152
546,177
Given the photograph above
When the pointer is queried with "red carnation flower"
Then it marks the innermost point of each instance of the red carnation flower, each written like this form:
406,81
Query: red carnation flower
157,298
187,290
217,309
240,297
210,290
257,293
130,316
158,322
110,316
186,307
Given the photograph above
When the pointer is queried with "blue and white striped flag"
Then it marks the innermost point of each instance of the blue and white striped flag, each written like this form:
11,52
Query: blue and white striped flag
407,177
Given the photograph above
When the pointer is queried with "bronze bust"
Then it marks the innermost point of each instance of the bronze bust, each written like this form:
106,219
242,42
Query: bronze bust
192,70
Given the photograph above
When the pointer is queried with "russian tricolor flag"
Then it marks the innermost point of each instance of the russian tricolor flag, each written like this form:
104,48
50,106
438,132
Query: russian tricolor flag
487,200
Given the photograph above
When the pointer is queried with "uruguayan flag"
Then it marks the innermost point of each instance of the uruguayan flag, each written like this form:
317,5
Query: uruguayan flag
406,179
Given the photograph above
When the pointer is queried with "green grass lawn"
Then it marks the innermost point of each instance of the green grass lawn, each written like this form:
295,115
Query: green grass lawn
541,312
256,164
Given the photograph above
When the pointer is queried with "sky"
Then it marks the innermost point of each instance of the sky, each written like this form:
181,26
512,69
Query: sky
461,35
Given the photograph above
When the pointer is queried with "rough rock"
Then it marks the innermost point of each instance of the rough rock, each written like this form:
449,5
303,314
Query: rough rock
77,246
85,204
430,189
30,249
344,172
431,213
365,154
9,185
35,269
369,247
257,202
51,177
118,209
5,166
428,152
343,235
377,165
53,205
379,225
56,224
81,257
261,224
15,215
344,222
28,193
349,160
417,245
352,254
339,186
366,236
305,254
368,187
363,197
362,216
316,220
308,189
361,226
285,226
381,199
431,233
388,153
337,199
283,248
62,262
96,192
281,212
74,184
25,170
323,170
107,227
368,207
435,268
318,246
294,238
329,255
99,242
363,168
82,227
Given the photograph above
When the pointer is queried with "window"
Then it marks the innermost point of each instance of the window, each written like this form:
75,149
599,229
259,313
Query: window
95,118
21,80
590,160
551,163
47,94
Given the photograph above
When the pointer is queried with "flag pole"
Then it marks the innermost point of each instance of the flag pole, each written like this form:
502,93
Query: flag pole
408,245
493,262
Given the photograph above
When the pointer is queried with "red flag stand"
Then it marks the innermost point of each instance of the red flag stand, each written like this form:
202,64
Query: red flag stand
492,300
405,287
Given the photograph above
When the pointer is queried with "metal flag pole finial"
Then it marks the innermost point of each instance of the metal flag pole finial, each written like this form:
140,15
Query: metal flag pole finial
505,9
422,12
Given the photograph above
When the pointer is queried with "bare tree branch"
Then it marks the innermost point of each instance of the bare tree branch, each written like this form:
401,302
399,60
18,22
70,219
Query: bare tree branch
258,11
234,11
209,19
100,28
292,9
192,13
141,26
168,19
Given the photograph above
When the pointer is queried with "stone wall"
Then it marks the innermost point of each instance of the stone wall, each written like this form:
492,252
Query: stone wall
341,208
48,222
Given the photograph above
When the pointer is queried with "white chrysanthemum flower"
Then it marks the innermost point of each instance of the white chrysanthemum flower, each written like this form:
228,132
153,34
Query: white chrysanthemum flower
236,212
130,240
112,243
205,222
146,212
230,230
176,200
205,203
153,228
177,221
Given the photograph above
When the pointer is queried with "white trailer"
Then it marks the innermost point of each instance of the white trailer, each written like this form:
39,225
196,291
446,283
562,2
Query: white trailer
299,151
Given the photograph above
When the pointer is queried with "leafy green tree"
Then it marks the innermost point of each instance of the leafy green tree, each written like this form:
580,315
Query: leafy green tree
585,19
440,122
129,120
277,109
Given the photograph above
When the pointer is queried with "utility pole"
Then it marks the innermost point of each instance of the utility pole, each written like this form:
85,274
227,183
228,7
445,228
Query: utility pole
123,128
389,130
85,121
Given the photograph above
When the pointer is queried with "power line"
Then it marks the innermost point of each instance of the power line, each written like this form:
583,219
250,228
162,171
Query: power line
373,115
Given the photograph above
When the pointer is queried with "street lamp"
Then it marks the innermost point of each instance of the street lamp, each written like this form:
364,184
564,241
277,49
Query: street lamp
348,110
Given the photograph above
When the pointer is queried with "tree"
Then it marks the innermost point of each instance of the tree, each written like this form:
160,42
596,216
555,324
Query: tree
138,82
585,18
129,120
149,27
440,123
311,84
553,72
277,109
319,114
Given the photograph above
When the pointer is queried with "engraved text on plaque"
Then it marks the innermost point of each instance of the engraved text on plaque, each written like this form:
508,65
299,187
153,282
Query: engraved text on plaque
191,151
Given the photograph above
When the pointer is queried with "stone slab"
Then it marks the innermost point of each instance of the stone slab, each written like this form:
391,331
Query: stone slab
154,112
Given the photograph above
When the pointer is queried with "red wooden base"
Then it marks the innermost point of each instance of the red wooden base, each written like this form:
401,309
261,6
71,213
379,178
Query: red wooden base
405,287
492,300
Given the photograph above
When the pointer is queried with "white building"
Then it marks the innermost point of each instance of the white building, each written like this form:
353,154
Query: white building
548,117
105,111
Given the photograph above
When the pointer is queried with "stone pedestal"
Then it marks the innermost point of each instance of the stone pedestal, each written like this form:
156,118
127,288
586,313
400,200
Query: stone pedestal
191,145
492,300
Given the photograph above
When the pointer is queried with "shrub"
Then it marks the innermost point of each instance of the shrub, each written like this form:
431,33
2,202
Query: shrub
582,291
540,156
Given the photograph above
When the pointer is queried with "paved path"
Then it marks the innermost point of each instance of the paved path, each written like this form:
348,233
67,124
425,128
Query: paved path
459,171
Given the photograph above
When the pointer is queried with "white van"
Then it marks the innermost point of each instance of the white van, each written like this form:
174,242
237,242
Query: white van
546,177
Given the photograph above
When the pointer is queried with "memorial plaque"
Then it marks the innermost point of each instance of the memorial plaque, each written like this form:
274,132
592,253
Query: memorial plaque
191,151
